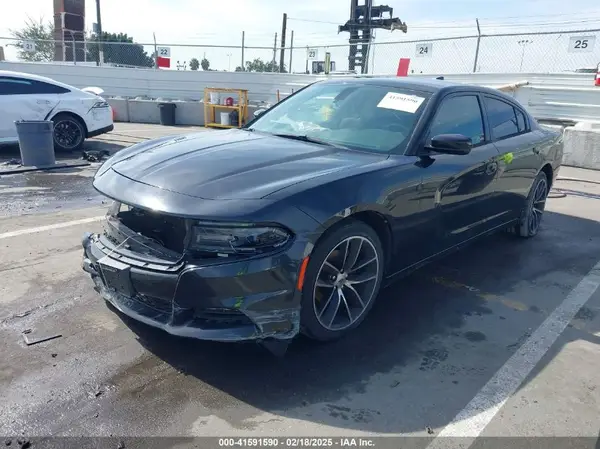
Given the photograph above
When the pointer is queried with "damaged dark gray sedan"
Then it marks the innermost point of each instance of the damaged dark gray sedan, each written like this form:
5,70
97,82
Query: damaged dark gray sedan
292,224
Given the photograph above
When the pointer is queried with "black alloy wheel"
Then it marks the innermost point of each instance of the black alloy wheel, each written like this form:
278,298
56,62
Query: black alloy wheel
342,281
531,217
69,133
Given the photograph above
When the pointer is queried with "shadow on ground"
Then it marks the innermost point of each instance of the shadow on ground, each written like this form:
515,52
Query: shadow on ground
412,332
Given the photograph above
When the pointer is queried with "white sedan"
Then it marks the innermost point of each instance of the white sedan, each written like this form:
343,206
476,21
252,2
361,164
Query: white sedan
77,113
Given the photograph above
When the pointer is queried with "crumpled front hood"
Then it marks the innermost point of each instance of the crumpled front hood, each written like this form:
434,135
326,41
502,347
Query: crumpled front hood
232,164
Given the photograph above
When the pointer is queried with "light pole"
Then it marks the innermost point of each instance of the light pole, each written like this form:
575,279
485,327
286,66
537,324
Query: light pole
229,63
523,43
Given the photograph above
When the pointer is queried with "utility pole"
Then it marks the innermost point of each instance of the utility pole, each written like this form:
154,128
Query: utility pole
275,50
100,57
363,19
282,56
291,51
243,39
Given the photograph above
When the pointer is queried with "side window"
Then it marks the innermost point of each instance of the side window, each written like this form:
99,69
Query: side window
13,86
39,87
459,115
505,120
521,122
20,86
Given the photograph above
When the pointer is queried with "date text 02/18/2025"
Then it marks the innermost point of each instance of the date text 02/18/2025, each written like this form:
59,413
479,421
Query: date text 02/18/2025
303,442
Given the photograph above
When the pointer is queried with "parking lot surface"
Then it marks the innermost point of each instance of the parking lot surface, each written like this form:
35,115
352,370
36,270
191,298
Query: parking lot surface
501,338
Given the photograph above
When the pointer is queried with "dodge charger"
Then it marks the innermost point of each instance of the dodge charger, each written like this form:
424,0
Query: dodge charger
292,224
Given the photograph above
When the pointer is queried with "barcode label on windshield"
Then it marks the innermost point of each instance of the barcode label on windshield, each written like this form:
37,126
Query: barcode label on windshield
401,102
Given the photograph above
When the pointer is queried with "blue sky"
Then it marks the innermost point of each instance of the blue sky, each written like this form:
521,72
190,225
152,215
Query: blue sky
202,22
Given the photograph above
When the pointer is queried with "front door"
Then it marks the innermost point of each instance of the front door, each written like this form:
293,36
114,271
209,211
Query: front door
462,187
23,99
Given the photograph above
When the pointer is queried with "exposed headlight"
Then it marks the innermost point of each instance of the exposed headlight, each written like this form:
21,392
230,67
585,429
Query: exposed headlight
239,238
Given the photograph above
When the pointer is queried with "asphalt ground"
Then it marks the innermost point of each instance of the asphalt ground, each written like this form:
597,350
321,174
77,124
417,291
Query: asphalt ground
500,339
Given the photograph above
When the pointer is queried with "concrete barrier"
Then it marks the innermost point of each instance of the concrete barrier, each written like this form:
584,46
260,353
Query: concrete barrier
121,108
582,145
146,111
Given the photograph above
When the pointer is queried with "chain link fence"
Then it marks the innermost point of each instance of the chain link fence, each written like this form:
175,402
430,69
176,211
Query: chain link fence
542,52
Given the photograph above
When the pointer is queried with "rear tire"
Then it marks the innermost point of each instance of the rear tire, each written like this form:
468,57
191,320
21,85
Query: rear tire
342,281
531,217
69,132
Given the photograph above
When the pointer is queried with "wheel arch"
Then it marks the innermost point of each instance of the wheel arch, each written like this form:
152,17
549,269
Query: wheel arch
72,114
376,220
547,169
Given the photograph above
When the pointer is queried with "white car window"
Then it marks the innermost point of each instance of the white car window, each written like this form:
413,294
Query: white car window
21,86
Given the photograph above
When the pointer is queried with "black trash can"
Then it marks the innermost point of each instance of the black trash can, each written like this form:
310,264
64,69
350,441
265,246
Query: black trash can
36,142
167,113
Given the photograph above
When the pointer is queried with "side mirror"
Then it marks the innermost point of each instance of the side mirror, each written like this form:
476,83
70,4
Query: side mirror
258,112
451,144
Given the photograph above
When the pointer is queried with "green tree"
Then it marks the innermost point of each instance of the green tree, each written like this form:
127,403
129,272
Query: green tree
205,64
258,65
119,49
194,64
240,69
42,34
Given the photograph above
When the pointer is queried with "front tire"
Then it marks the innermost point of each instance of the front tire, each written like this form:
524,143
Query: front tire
69,132
342,281
531,217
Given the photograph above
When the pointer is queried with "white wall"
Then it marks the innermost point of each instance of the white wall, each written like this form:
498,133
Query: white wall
173,84
570,96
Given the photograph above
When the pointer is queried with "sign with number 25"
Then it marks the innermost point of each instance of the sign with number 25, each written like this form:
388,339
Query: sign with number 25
582,44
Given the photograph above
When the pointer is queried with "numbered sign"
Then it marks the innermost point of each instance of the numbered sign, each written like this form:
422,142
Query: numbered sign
582,44
29,46
424,50
312,54
164,52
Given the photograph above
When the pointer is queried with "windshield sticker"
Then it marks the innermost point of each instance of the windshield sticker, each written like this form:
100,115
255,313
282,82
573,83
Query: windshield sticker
401,102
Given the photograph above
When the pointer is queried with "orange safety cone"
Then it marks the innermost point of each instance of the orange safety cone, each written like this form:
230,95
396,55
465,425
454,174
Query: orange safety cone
597,81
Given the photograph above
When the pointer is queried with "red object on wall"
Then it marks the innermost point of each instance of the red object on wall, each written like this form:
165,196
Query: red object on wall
403,67
597,81
163,62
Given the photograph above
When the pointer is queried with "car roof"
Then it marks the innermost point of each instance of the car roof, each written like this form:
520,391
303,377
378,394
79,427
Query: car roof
430,85
31,76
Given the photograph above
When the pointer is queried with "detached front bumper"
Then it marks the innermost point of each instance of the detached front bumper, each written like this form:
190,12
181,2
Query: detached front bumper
235,301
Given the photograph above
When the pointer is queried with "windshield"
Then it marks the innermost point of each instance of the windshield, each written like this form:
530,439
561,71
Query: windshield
353,115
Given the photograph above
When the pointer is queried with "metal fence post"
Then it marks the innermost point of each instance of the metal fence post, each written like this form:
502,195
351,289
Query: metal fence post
477,48
291,51
243,45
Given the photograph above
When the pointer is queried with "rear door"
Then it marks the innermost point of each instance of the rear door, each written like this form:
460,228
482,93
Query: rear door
462,187
25,99
520,157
